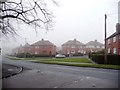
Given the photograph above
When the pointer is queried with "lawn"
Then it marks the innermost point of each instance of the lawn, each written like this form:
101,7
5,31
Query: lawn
79,62
75,60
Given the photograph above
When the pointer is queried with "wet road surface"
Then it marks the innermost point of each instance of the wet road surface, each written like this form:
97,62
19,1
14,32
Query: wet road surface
58,76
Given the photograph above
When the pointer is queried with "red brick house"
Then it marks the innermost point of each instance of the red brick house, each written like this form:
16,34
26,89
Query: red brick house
94,46
72,47
21,49
113,42
43,47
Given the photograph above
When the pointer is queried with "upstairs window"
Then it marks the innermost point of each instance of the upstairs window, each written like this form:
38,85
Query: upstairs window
108,41
36,52
114,39
36,46
108,50
73,47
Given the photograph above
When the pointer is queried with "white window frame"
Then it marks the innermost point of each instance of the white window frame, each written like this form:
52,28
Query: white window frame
114,50
36,46
108,50
72,46
114,39
36,52
108,41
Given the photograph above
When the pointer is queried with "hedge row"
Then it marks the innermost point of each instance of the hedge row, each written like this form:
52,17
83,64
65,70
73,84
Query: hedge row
111,59
28,55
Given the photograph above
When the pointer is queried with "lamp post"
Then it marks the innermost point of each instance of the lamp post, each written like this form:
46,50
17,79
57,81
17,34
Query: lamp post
105,53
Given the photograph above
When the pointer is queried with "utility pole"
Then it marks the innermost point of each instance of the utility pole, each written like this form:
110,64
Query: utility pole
25,48
105,53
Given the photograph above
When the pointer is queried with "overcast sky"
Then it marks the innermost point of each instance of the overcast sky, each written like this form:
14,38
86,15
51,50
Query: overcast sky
80,19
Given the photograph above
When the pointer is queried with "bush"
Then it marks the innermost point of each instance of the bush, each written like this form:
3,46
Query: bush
28,55
111,59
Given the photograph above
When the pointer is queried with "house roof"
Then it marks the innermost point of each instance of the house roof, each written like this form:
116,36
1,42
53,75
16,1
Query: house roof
94,43
114,34
26,45
117,31
42,42
73,42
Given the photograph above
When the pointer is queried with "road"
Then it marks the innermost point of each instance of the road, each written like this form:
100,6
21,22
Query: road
40,75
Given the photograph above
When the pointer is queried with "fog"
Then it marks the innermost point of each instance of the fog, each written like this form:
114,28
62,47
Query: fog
80,19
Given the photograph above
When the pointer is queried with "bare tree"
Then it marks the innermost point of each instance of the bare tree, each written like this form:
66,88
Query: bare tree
31,12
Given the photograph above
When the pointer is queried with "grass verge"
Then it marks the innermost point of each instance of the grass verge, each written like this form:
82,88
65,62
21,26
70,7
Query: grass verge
81,65
14,58
79,62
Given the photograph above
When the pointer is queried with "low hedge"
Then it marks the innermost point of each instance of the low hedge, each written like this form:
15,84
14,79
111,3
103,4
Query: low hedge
111,59
28,55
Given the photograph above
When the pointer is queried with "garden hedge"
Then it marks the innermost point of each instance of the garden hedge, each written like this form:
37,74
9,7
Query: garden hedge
111,59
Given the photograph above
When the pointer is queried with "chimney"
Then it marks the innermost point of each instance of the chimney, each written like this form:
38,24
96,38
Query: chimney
74,39
118,28
42,39
95,40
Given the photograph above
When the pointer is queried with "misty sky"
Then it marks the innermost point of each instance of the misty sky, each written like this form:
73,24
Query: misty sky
80,19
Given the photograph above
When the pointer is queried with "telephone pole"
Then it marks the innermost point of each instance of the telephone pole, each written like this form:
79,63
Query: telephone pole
105,53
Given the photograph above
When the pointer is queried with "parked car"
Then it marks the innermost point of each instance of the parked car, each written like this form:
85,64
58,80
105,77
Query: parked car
60,56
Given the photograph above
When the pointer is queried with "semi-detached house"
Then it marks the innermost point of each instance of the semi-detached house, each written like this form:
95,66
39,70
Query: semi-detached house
42,47
113,42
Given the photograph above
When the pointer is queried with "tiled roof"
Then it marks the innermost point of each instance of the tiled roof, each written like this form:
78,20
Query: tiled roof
26,45
117,31
94,43
73,42
42,42
114,34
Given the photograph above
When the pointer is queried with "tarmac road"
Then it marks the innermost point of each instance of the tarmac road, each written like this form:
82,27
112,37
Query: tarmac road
58,76
10,70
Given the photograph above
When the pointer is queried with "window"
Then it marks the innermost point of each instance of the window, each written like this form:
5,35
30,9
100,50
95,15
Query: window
114,39
36,52
98,46
108,50
73,47
108,41
119,51
68,52
114,50
36,46
73,52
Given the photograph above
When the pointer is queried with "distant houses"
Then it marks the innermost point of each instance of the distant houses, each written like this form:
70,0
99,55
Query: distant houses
94,46
71,47
75,47
113,42
42,48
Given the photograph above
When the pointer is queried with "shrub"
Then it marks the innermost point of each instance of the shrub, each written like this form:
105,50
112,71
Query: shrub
28,55
111,59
